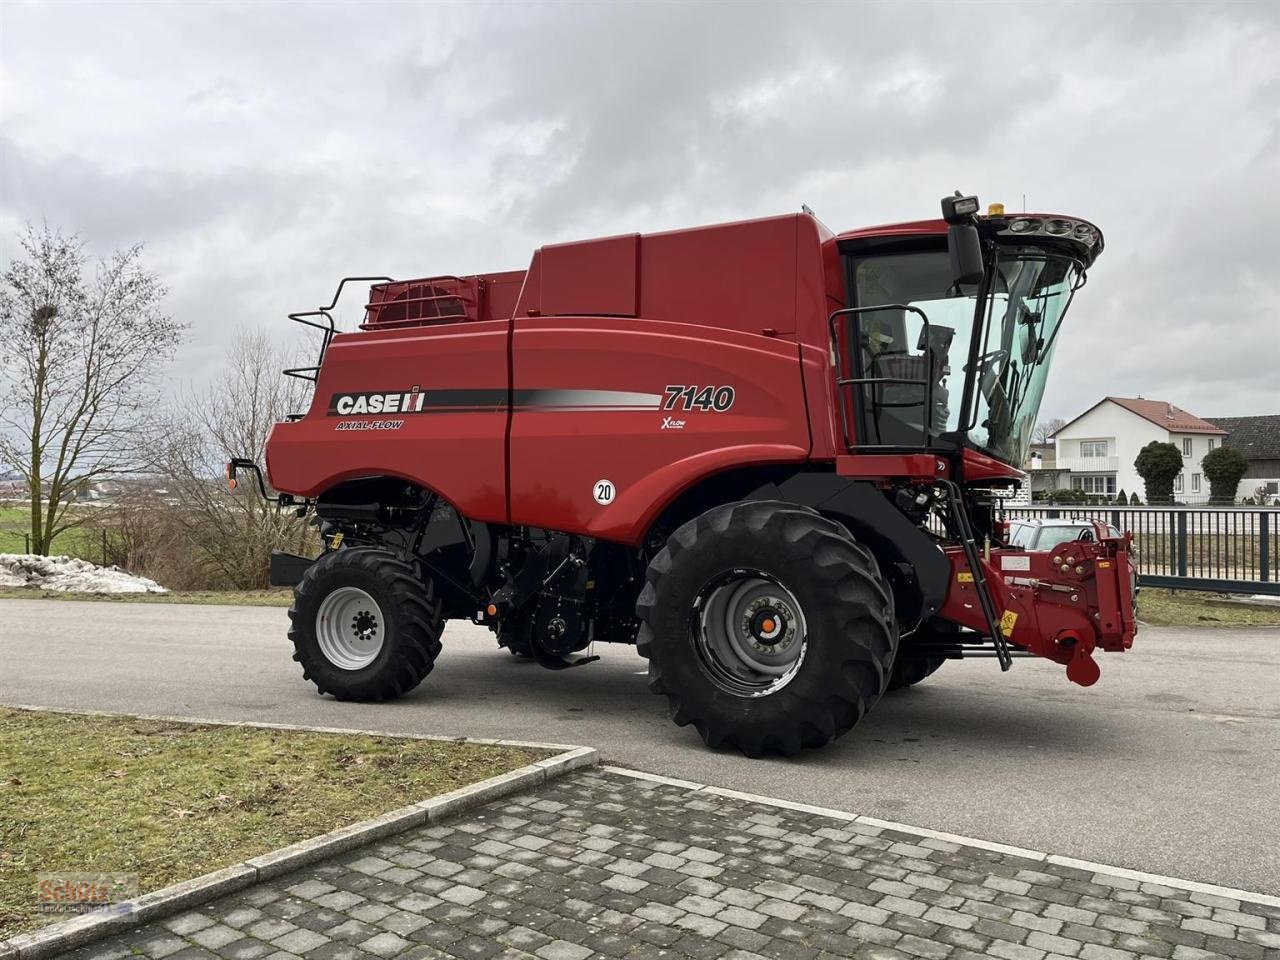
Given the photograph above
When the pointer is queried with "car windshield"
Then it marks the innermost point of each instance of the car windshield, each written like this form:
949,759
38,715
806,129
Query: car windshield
908,363
1019,534
1051,537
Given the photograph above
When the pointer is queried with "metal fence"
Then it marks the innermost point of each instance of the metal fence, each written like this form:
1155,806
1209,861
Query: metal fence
1228,549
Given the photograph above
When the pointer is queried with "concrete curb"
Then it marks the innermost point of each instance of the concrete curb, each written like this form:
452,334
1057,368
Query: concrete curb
77,931
1036,856
267,725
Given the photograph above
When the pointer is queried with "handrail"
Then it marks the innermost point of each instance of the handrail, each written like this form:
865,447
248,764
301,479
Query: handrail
329,329
854,314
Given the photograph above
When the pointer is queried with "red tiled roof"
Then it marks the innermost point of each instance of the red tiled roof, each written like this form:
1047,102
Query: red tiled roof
1174,419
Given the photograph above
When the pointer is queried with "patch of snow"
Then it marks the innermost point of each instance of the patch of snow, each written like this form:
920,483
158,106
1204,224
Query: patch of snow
69,575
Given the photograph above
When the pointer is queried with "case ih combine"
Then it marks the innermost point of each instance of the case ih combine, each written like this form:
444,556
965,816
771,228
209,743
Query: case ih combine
764,454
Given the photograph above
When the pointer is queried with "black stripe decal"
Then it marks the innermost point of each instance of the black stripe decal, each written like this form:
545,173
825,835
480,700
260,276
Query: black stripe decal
491,401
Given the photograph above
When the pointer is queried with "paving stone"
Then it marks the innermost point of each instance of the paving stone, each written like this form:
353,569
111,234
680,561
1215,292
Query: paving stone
309,889
598,865
563,950
219,935
301,942
187,923
385,944
270,928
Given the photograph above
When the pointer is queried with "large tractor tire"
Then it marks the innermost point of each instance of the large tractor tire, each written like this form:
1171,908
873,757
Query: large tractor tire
908,670
365,624
767,627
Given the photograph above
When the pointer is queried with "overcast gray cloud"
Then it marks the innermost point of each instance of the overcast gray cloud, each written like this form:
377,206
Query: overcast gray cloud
264,150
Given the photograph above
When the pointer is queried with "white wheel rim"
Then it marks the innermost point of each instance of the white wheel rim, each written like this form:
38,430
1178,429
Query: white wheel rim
350,628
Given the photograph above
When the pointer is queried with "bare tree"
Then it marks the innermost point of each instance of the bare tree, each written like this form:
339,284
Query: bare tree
1045,429
229,534
81,345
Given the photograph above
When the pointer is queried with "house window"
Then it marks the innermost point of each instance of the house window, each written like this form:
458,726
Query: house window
1211,443
1195,483
1093,448
1094,485
1186,446
1177,484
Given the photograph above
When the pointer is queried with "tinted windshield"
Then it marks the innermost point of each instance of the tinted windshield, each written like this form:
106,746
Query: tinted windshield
909,365
1030,298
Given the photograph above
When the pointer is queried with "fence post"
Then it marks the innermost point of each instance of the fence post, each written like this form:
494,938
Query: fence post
104,547
1264,545
1182,542
27,539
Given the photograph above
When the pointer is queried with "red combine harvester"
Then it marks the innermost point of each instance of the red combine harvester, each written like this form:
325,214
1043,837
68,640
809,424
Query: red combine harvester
766,455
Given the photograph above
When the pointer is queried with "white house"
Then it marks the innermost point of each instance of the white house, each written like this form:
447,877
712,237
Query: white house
1099,446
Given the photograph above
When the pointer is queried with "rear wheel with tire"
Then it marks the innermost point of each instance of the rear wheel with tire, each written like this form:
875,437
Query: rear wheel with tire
365,624
767,626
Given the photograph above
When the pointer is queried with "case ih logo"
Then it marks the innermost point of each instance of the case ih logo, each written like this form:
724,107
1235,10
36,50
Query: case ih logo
360,404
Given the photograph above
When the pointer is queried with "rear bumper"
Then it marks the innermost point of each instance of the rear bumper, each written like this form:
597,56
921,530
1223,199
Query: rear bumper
287,568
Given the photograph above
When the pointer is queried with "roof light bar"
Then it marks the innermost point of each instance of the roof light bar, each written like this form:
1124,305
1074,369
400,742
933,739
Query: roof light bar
1063,227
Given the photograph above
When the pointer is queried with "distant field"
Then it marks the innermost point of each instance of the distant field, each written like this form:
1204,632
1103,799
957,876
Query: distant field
15,526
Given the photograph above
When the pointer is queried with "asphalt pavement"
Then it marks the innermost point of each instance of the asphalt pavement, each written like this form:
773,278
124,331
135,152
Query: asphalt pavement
1170,764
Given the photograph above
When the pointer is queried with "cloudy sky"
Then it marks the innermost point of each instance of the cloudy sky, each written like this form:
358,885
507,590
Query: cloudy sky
264,150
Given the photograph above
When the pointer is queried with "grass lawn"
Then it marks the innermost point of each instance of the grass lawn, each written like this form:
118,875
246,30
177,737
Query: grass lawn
170,801
1185,608
278,597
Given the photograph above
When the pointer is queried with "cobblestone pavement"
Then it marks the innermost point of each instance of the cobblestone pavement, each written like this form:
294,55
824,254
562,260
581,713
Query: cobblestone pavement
601,865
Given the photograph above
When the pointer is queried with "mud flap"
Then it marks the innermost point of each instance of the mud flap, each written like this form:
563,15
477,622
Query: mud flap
287,568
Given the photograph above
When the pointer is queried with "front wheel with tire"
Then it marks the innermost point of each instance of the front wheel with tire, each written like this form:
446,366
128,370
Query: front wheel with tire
909,670
365,624
767,626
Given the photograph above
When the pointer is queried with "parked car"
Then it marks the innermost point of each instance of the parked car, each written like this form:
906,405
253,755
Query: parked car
1040,535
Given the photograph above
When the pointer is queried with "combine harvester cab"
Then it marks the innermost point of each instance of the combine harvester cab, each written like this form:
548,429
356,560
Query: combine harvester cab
767,455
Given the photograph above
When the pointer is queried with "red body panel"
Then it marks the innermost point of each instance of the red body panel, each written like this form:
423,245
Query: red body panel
562,446
461,455
739,305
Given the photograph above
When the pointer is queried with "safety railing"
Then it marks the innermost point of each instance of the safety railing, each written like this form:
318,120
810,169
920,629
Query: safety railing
1227,549
328,327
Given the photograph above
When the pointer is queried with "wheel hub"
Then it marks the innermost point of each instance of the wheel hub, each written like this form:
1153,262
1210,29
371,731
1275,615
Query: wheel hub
750,632
350,628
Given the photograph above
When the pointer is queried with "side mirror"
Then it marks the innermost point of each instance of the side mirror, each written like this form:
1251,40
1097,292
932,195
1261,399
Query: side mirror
966,253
